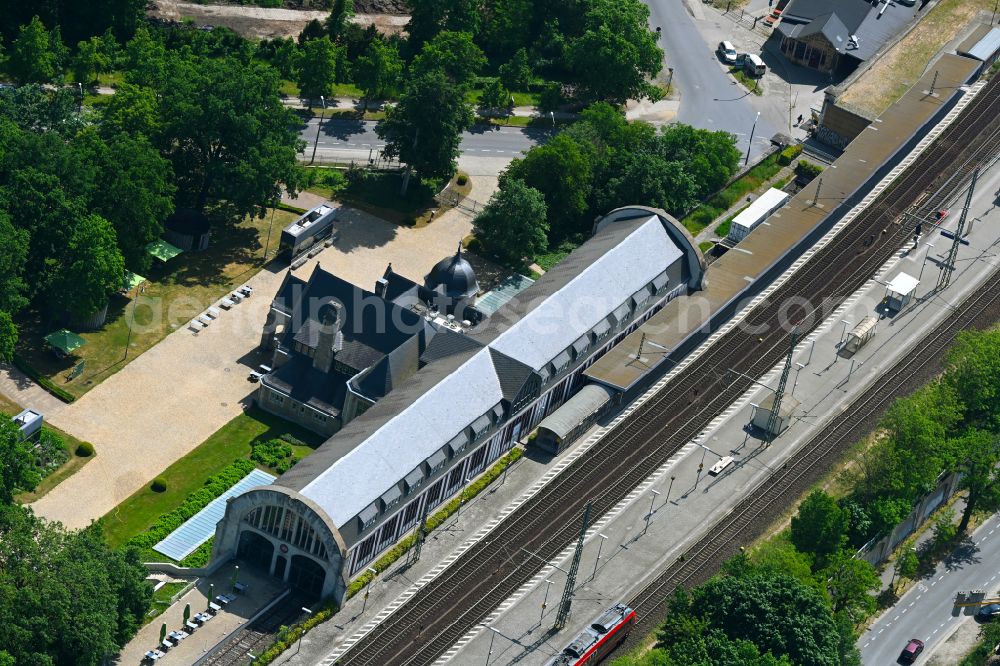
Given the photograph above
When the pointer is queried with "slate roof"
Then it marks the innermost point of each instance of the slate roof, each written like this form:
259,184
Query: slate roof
304,383
448,343
392,369
837,20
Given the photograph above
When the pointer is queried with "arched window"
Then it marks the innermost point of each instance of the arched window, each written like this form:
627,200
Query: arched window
287,525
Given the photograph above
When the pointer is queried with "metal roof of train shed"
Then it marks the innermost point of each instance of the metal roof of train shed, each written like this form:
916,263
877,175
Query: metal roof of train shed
736,276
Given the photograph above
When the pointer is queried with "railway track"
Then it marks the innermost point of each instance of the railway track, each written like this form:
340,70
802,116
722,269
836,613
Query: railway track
256,637
751,517
447,607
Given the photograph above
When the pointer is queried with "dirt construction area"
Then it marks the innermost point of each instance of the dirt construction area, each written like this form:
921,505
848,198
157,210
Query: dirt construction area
262,23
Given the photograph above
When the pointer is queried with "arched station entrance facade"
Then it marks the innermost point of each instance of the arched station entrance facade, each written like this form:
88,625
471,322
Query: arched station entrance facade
282,536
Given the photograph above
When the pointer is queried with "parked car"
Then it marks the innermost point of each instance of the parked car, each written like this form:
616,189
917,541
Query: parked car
912,651
753,65
988,612
727,52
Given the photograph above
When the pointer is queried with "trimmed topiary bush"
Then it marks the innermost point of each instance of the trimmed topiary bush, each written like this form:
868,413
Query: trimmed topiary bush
85,450
159,484
786,156
461,180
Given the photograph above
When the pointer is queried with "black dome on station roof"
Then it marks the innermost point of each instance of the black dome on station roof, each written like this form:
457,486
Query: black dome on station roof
453,277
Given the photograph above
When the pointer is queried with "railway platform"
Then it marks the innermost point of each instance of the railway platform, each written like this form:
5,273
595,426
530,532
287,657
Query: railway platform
686,505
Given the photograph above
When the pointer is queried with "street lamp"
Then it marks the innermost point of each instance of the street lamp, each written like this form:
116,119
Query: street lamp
670,78
798,369
319,128
364,605
926,254
545,599
492,638
461,499
598,560
131,321
302,630
652,500
669,488
750,145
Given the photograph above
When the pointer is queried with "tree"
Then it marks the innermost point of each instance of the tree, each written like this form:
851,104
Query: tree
429,17
227,134
33,58
508,28
145,60
90,60
980,451
91,268
134,190
8,337
426,141
495,97
820,526
616,53
13,257
512,225
65,597
454,53
974,374
318,68
312,30
562,171
516,74
650,179
776,613
17,469
852,583
377,71
907,564
340,15
710,157
286,57
131,111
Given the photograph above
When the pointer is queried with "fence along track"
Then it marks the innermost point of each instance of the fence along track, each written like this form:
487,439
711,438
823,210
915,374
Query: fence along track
448,606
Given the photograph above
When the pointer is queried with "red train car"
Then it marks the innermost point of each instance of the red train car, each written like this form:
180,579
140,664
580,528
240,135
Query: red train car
599,639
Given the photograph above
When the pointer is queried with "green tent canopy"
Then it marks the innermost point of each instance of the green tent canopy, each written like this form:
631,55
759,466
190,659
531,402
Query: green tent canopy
132,281
163,250
65,341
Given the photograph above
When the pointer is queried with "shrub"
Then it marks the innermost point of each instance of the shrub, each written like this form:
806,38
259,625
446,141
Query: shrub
292,439
461,180
786,156
274,453
85,450
196,501
551,98
159,484
807,170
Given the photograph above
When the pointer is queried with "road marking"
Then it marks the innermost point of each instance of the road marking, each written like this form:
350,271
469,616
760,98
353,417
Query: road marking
941,577
911,603
880,631
905,609
934,632
918,598
895,618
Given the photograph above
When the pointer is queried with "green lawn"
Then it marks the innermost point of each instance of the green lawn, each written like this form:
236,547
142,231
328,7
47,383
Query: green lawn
291,89
705,246
520,98
231,442
161,600
747,81
68,468
175,293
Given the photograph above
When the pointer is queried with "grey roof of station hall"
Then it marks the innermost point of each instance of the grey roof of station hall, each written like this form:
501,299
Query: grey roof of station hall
479,369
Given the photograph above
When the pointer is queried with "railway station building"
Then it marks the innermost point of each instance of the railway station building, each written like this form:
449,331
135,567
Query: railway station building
476,390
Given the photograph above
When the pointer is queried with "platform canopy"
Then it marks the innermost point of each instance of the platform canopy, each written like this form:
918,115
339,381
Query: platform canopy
65,341
132,281
903,284
163,250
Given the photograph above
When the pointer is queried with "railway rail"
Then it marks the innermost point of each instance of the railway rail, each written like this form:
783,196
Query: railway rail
259,634
442,611
750,517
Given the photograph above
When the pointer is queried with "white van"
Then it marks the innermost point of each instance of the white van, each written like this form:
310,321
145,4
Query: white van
727,52
753,65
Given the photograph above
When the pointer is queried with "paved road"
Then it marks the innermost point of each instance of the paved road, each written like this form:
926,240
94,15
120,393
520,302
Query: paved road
924,612
355,138
709,98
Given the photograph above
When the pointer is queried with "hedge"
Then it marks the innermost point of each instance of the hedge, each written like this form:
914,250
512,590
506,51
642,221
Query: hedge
786,156
434,521
200,556
196,501
21,364
291,209
288,635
